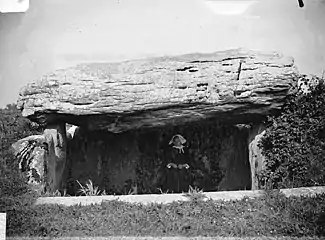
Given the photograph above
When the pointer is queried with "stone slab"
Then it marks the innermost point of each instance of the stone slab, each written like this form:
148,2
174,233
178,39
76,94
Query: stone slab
169,198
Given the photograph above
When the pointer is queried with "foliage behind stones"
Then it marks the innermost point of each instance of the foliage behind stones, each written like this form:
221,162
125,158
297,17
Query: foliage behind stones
13,127
294,143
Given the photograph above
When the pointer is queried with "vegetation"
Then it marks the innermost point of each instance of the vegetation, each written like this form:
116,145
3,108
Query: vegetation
13,127
272,215
294,143
195,194
90,190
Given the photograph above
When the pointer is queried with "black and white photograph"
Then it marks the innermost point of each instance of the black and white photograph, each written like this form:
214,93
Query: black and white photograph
162,119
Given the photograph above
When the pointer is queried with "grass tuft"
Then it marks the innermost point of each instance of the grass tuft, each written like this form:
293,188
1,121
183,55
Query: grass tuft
89,189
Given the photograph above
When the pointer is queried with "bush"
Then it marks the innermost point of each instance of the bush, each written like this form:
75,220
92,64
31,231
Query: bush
13,127
294,143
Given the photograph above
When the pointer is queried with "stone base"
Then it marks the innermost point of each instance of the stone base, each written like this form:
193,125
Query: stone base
169,198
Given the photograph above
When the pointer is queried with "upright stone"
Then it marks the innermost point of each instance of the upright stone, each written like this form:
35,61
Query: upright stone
256,159
56,138
30,153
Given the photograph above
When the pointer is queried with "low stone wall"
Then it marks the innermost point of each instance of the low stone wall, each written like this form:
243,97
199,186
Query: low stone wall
169,198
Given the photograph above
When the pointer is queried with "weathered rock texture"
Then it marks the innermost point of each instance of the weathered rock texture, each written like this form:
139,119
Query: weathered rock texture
256,158
235,86
30,152
43,158
56,137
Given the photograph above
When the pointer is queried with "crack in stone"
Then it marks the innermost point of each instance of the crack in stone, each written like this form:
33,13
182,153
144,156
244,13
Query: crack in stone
239,69
238,75
221,60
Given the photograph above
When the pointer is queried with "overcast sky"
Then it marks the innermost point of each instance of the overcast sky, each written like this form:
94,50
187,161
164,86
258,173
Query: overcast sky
55,34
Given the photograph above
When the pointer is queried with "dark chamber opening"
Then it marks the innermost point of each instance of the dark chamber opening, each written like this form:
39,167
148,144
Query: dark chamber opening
213,158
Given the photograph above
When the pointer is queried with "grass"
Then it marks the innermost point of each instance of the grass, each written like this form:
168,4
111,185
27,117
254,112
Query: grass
89,189
161,238
195,194
272,215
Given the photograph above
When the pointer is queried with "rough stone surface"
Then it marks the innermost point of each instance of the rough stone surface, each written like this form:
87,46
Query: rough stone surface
72,131
238,86
56,138
256,159
30,152
43,158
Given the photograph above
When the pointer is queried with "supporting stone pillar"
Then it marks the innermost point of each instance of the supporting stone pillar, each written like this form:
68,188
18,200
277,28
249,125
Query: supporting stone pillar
56,138
30,153
256,159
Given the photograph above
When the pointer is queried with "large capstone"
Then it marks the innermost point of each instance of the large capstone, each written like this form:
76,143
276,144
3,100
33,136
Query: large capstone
159,124
234,86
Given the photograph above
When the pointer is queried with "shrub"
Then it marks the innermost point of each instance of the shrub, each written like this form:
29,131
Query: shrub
13,127
294,142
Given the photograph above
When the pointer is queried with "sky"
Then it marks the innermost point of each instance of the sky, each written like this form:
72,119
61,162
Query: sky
54,34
